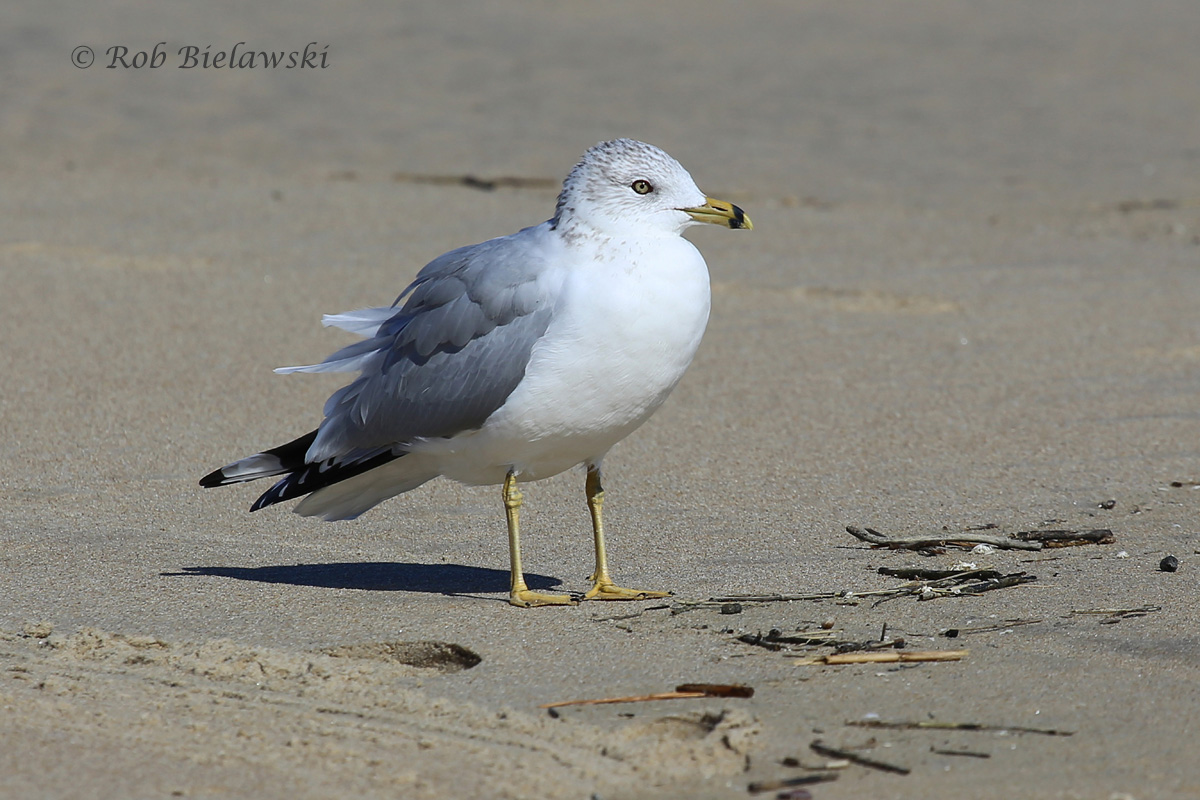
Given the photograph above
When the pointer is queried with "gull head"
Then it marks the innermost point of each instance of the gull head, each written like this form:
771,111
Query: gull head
625,187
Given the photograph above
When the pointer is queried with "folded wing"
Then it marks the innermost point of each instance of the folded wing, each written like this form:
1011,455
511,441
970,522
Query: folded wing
437,363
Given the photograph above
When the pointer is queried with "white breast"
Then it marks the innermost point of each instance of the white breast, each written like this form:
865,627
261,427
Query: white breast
624,331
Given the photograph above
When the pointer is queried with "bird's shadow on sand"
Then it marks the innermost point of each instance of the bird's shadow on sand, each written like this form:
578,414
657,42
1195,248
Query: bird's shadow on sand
378,576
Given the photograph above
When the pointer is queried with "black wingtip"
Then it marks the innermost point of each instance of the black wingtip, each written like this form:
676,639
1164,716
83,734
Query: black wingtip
214,478
311,477
299,476
276,494
290,457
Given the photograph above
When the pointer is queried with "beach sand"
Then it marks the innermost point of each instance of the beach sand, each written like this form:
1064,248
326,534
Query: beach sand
970,300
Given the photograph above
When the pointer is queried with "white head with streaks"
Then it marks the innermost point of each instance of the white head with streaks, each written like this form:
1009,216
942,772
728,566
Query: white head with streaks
626,187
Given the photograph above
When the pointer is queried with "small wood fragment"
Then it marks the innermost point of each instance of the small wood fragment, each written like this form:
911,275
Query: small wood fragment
919,573
1063,538
779,598
833,752
717,689
640,698
968,753
1016,579
952,726
952,633
683,692
802,780
941,540
946,583
776,643
1117,612
882,657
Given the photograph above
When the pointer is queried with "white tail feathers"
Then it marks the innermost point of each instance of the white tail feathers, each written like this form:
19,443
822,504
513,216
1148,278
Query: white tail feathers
349,498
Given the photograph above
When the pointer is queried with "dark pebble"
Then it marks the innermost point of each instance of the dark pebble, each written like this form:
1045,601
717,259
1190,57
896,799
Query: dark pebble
1169,564
951,633
731,608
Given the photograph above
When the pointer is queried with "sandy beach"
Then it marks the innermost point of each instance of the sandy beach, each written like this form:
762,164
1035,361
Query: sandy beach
970,304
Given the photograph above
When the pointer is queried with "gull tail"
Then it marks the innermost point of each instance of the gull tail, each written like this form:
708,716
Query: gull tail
338,488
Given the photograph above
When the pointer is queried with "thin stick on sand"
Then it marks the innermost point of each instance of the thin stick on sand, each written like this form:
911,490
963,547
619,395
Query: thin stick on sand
803,780
878,657
953,726
1116,612
683,692
874,537
823,749
1063,538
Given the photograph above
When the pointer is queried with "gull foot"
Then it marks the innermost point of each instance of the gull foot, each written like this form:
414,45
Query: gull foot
526,598
607,590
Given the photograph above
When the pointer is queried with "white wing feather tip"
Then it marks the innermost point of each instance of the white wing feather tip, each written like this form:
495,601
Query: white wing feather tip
362,321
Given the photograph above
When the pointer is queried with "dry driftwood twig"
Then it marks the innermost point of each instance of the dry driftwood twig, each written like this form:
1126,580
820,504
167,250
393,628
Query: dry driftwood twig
953,726
823,749
682,692
1117,612
882,657
876,538
1059,538
951,633
802,780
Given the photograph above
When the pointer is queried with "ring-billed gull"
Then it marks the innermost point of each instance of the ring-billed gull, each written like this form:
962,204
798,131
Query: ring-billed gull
517,358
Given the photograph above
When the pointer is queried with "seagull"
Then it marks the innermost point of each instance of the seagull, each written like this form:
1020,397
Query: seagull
516,359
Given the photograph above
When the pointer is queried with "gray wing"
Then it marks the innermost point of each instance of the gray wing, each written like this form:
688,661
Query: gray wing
445,359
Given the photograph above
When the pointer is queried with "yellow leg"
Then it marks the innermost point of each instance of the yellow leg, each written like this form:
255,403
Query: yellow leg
603,587
520,594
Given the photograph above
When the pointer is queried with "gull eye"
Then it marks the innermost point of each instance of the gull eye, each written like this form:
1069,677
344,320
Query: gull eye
642,186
